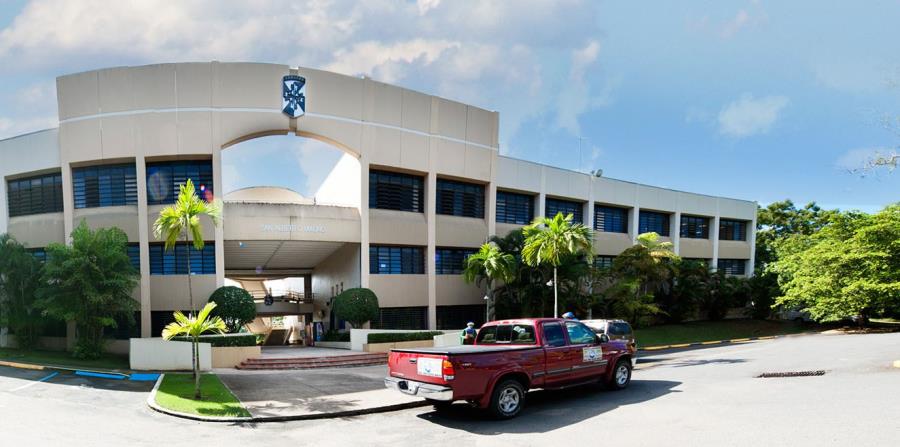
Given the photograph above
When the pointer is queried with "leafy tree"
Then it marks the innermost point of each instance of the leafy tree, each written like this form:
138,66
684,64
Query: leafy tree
234,306
358,306
20,279
550,240
194,327
90,283
182,220
851,267
487,265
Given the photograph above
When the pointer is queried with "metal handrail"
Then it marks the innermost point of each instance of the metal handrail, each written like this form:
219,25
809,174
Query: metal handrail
289,296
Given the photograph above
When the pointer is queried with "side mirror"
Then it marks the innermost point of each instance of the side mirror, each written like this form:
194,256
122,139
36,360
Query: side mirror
603,338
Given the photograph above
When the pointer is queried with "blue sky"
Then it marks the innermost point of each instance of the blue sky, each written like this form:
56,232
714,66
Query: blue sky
758,100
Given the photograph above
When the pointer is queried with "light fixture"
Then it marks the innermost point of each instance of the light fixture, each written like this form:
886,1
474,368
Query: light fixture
550,283
487,297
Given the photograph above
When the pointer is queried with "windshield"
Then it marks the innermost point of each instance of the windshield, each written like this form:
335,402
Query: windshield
515,334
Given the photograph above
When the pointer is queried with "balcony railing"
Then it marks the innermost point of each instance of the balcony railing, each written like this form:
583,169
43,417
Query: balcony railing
259,297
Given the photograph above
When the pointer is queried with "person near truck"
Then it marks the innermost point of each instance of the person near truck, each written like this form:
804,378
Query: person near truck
569,316
468,334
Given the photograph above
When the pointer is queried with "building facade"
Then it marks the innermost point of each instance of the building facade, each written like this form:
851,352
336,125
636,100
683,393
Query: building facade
420,185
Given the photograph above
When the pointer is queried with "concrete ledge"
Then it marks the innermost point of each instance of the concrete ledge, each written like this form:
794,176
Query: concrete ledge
333,344
231,356
717,342
386,347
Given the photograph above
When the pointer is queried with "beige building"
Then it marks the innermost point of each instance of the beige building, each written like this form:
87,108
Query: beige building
421,184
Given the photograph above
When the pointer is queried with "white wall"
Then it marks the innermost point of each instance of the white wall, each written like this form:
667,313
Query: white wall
342,186
26,153
341,267
156,354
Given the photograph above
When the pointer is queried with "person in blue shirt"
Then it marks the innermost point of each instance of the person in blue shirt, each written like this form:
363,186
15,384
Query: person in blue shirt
468,334
569,316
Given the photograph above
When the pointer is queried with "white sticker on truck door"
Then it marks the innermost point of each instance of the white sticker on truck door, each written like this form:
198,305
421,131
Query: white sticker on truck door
429,366
592,354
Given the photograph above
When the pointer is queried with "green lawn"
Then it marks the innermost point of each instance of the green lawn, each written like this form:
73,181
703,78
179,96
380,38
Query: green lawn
671,334
64,359
177,393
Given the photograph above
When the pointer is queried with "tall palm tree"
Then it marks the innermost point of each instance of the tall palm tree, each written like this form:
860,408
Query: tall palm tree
657,250
487,265
182,220
193,327
549,240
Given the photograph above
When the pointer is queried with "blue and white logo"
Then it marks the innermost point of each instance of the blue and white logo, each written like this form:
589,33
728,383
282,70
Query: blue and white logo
293,96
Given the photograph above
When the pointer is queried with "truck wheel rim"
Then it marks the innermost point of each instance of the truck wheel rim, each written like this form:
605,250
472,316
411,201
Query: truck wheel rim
509,400
622,375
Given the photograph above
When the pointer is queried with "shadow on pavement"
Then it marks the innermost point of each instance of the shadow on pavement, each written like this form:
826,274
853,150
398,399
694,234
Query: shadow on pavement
549,410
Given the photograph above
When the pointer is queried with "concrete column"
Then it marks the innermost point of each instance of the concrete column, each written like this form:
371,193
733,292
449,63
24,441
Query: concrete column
751,239
675,230
68,201
140,166
364,222
430,253
491,203
633,225
541,208
219,231
714,265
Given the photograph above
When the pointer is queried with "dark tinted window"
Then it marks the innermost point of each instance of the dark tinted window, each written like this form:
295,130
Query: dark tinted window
604,262
619,329
39,253
566,207
34,195
456,317
655,222
579,334
610,219
410,318
515,208
389,260
164,180
395,191
521,334
98,186
134,254
451,261
460,199
553,335
733,266
695,227
732,230
174,260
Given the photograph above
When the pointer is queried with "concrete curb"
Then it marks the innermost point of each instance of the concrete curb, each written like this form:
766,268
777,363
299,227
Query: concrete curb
110,374
718,342
151,402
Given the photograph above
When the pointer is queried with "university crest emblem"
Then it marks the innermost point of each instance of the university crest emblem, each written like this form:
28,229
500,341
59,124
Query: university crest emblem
293,96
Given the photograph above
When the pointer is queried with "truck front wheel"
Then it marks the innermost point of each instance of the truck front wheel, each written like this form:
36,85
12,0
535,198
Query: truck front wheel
507,399
621,375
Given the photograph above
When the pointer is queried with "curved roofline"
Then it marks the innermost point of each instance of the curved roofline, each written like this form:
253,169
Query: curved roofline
28,133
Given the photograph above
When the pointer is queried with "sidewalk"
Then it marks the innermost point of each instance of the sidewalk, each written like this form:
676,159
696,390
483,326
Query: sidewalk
313,394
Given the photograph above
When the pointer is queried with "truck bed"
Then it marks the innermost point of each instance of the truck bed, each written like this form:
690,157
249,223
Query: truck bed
467,349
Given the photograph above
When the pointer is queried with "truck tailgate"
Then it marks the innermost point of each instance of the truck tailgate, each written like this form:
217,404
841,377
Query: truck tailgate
422,367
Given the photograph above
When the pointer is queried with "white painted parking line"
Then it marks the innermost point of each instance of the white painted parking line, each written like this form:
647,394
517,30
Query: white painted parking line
43,379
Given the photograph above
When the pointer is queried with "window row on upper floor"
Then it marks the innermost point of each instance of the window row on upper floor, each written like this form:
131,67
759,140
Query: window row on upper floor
108,185
173,261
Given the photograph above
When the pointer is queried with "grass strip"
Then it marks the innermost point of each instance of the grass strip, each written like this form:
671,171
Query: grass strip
176,393
704,331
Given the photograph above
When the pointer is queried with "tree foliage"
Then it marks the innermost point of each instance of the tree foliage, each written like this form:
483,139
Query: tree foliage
551,241
487,265
357,306
850,267
90,283
20,280
234,306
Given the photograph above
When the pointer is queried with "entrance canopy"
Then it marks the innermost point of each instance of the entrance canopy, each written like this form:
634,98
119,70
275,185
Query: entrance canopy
276,258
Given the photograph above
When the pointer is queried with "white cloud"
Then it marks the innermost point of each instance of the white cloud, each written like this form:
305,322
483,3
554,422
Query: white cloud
751,116
388,63
731,27
576,96
427,5
316,160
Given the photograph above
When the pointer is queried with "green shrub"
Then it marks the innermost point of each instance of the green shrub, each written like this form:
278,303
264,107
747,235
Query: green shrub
234,305
336,336
394,337
224,340
357,306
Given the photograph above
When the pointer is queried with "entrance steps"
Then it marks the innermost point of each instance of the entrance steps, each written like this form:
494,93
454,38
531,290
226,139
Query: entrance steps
338,361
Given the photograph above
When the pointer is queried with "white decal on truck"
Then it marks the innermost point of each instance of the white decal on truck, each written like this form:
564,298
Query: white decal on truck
427,366
592,354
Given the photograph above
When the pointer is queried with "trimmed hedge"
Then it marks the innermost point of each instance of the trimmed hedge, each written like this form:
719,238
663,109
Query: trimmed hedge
394,337
336,336
223,340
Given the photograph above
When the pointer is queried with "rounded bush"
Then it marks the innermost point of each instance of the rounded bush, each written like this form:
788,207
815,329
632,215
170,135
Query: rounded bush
356,306
234,305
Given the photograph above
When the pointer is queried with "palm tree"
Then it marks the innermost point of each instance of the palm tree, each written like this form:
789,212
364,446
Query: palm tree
183,219
487,265
549,240
192,327
657,250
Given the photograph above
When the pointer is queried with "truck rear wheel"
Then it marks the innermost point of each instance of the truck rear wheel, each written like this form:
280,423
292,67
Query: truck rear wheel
621,375
507,399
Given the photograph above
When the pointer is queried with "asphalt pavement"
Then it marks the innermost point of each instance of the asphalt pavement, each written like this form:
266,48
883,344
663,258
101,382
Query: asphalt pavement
700,397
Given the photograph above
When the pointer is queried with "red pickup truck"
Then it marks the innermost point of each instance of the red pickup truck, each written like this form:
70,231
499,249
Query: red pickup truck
510,357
